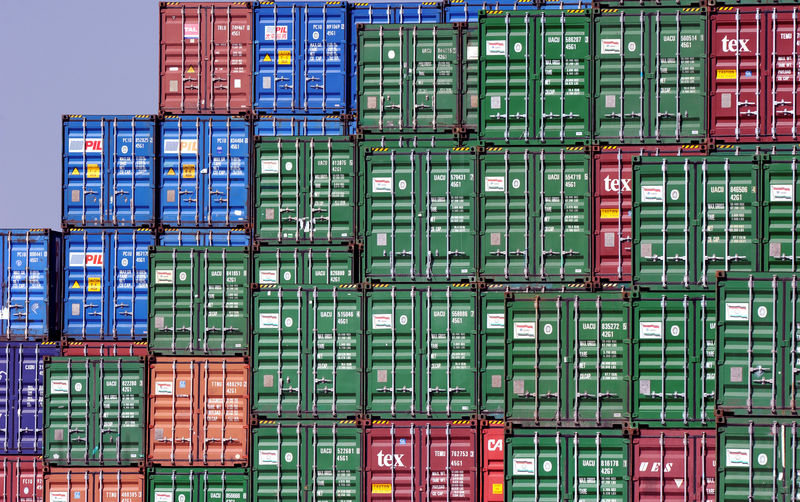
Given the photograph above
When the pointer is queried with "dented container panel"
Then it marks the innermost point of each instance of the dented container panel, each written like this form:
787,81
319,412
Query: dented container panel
225,485
289,266
21,478
95,484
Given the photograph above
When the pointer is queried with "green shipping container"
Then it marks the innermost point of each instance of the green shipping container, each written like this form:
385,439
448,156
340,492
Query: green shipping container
650,75
198,485
535,77
781,215
758,460
674,359
408,78
321,460
757,345
422,351
693,217
534,204
289,266
567,359
307,352
305,190
420,214
199,301
94,411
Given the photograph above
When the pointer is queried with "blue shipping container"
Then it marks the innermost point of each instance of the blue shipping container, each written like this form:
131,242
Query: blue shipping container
30,264
204,174
22,395
205,237
299,125
466,11
384,13
301,57
109,170
106,284
565,4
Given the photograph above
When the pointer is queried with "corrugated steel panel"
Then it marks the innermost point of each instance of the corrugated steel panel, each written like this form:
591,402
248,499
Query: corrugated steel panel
94,411
206,59
103,349
299,125
21,479
22,396
467,11
30,275
287,266
238,237
105,284
227,485
94,484
109,170
301,57
779,218
199,301
204,173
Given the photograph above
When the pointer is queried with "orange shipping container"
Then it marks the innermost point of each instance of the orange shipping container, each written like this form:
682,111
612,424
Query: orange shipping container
199,412
94,484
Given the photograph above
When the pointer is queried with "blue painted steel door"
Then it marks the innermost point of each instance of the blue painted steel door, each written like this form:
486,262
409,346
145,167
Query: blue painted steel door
461,11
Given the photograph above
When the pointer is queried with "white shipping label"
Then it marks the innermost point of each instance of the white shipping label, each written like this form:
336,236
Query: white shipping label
269,321
162,497
59,386
737,457
653,193
272,33
164,277
382,185
525,330
472,52
163,388
781,193
268,276
650,329
495,184
524,466
59,497
268,457
610,46
381,321
495,47
4,314
737,312
270,166
495,321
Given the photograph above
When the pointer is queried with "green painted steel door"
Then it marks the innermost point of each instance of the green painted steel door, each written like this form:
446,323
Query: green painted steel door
493,347
198,485
94,411
290,266
781,215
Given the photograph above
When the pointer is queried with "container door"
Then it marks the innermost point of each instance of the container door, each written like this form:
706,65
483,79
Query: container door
333,461
469,92
274,265
8,357
132,171
221,300
172,302
277,62
434,59
182,70
332,266
129,284
612,190
330,210
226,176
124,485
85,286
492,357
278,472
25,285
382,100
367,14
120,411
448,467
228,47
758,461
782,81
21,479
392,464
85,153
181,166
223,484
30,392
322,50
68,422
279,191
173,423
493,462
781,216
223,407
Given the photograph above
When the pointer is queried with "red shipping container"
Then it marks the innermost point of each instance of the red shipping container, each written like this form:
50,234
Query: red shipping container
94,484
493,434
753,69
21,479
421,460
103,349
199,412
611,206
674,464
206,61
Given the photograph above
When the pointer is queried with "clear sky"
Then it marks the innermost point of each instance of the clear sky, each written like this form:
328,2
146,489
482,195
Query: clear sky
65,57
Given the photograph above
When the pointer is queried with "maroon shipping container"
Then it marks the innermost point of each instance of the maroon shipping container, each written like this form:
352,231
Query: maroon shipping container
493,437
21,479
199,412
611,206
94,484
674,464
206,61
754,73
421,460
103,349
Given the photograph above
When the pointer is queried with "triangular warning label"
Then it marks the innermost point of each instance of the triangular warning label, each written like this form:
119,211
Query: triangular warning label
75,285
75,171
190,70
267,59
171,172
679,482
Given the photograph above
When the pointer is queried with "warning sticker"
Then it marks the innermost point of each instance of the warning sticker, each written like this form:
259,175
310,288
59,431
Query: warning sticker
737,457
495,47
652,194
191,30
650,329
284,57
92,171
75,172
267,59
781,193
276,32
268,457
737,312
610,46
381,488
75,285
612,213
164,388
59,386
95,285
495,321
164,277
188,171
269,321
726,74
497,488
381,321
525,330
495,184
524,466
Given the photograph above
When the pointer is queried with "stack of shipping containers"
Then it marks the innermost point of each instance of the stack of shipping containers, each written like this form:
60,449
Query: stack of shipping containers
512,250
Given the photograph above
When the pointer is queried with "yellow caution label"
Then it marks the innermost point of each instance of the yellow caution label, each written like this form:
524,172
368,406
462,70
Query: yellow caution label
75,285
190,70
171,172
609,213
188,171
726,74
381,488
92,171
75,172
284,57
267,59
497,488
95,285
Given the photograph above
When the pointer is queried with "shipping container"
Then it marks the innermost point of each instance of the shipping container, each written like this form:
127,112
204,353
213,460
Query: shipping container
564,4
406,459
650,84
199,412
757,353
308,352
754,77
199,301
206,60
204,173
300,125
94,484
366,13
105,283
21,479
534,207
674,464
22,396
779,218
305,190
409,77
467,11
94,411
109,170
288,266
654,3
421,351
673,358
419,212
103,349
535,77
322,459
567,359
198,485
180,236
301,57
758,460
528,465
30,284
693,217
